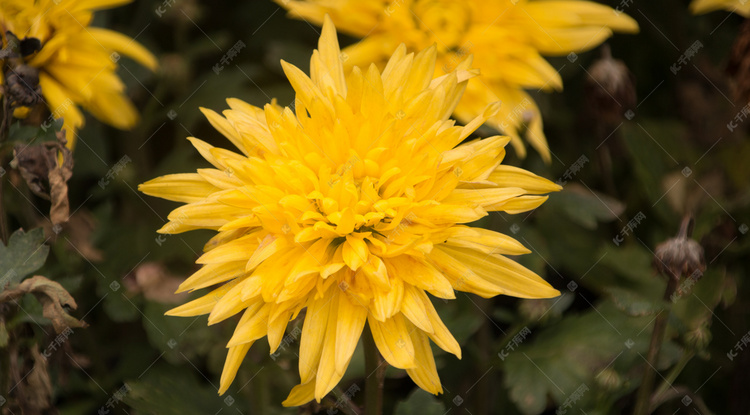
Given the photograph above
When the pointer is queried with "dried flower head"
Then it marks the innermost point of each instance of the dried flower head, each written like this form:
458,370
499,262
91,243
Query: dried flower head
681,256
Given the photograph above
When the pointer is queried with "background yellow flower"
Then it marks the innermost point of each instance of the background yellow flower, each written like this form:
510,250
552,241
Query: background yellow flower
507,39
77,62
351,206
741,7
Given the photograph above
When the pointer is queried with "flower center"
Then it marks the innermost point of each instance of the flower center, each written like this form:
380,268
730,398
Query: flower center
446,21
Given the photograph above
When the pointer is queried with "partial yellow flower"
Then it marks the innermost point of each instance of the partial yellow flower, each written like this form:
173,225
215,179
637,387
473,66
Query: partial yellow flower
741,7
77,62
506,37
351,205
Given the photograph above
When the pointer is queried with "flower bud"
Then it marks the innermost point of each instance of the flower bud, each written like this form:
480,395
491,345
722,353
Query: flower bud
610,88
680,256
698,338
609,379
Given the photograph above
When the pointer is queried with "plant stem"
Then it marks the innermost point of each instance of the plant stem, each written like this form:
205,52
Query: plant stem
672,376
678,392
3,215
643,398
375,370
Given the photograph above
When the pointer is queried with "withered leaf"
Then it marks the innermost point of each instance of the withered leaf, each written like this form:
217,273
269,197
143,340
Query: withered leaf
38,388
31,162
58,176
46,168
53,297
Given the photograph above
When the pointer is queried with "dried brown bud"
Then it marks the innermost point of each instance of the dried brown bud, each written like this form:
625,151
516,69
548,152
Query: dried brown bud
681,256
23,86
610,89
175,70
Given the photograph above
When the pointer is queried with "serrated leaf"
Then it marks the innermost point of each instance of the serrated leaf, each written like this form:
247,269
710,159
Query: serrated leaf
25,253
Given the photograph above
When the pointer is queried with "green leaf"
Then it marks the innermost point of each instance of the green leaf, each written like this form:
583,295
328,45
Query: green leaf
695,301
420,402
25,253
36,134
179,338
633,303
571,353
584,206
170,391
656,148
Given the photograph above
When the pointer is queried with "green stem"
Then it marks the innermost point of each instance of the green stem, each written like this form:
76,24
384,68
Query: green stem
484,337
375,370
672,376
4,360
679,392
3,215
643,398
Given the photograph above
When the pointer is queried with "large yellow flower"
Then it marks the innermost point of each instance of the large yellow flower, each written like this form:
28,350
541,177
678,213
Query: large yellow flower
77,62
506,37
741,7
350,205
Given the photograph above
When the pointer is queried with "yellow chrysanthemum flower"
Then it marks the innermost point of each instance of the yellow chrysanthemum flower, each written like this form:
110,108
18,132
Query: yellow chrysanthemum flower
506,38
741,7
350,205
77,62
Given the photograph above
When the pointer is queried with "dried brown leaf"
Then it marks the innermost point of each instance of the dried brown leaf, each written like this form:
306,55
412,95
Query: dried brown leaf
53,297
31,162
38,384
46,168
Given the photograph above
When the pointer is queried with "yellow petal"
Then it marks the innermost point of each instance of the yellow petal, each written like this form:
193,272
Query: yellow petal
393,340
420,274
186,187
212,274
512,277
202,305
300,394
352,317
125,45
235,356
511,176
414,309
313,333
425,373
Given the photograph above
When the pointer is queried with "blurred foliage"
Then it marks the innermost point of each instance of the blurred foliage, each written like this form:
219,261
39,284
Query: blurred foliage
584,351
